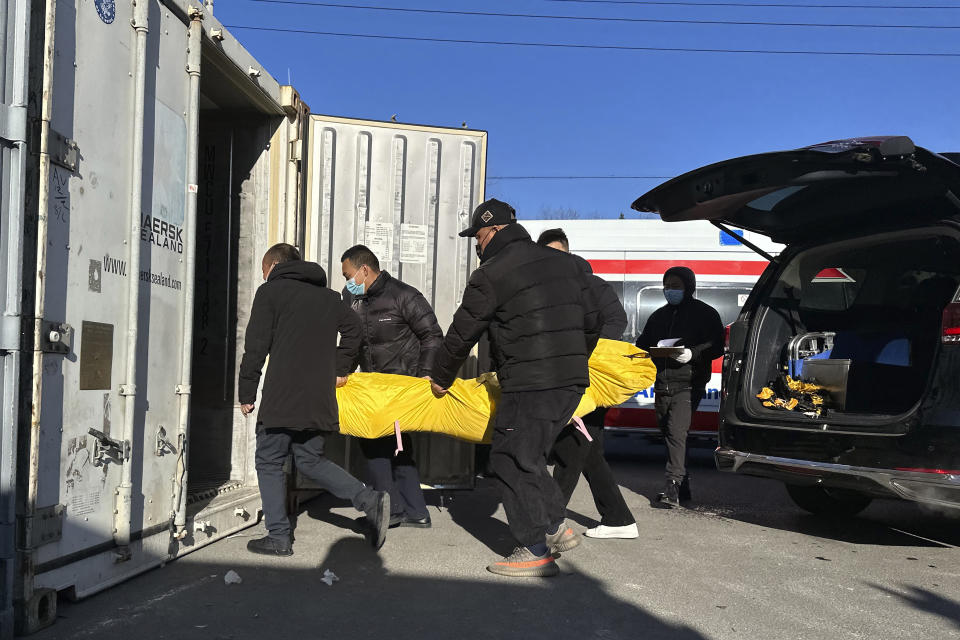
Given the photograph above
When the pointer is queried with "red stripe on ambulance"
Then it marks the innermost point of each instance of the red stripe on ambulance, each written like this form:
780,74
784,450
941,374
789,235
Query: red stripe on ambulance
700,267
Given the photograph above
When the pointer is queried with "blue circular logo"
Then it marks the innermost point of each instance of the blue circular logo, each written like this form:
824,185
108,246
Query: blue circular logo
107,10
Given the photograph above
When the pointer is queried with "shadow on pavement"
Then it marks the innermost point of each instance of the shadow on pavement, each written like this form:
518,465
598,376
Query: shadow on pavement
588,522
927,601
474,511
320,509
638,467
279,599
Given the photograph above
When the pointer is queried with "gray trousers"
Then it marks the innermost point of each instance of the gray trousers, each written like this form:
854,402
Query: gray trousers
273,447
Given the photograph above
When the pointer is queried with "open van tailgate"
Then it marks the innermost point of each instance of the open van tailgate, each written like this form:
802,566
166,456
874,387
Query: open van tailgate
795,195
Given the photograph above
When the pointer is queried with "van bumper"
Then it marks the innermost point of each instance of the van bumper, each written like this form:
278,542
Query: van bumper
939,489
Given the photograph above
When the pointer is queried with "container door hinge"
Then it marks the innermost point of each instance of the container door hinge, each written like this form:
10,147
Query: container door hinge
64,151
13,123
42,528
106,449
12,333
56,337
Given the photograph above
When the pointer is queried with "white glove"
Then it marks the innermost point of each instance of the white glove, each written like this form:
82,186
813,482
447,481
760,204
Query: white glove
684,356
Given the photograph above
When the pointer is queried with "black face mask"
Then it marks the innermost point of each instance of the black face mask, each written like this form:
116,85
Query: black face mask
477,246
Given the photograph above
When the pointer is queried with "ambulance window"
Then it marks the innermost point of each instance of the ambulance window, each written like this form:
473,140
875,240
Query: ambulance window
649,299
727,300
618,288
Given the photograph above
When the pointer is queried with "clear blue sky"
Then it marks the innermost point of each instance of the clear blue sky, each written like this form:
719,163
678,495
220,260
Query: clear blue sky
599,112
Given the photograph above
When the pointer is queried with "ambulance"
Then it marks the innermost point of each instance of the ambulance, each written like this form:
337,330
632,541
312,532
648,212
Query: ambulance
633,254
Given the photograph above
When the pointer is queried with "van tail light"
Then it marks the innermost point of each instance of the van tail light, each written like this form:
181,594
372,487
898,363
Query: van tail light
951,324
939,472
726,338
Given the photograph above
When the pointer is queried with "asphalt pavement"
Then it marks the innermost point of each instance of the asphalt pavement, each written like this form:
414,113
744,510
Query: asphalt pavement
742,562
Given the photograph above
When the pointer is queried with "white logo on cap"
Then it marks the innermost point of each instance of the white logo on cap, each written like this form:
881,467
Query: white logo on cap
487,216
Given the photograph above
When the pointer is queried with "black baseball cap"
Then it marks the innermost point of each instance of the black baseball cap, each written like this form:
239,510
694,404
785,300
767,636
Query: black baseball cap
490,214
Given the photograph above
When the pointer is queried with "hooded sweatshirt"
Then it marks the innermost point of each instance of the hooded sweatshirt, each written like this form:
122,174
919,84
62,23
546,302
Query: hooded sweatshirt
699,328
295,320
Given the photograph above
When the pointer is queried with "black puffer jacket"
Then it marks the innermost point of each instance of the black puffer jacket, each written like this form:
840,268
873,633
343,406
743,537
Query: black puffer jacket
540,312
699,328
400,330
295,320
612,317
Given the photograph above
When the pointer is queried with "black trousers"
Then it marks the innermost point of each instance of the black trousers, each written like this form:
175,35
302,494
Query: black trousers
396,475
573,455
273,447
674,413
527,424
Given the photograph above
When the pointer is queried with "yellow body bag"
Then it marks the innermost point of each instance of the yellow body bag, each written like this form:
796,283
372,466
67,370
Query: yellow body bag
372,403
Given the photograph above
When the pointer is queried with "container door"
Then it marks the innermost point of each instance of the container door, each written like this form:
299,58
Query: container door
14,29
88,275
405,191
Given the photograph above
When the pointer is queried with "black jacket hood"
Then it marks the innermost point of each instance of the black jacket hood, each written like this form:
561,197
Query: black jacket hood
309,272
687,275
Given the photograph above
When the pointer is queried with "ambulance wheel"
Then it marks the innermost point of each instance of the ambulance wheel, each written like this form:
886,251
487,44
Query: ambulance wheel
821,501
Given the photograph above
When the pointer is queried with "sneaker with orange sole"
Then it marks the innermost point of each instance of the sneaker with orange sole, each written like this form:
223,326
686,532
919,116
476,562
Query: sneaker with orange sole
522,563
563,540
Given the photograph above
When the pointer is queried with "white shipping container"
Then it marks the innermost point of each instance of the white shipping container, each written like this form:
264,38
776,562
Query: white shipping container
151,166
146,163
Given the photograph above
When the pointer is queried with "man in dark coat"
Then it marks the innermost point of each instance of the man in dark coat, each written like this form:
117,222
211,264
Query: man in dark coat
295,320
536,305
573,454
683,377
400,335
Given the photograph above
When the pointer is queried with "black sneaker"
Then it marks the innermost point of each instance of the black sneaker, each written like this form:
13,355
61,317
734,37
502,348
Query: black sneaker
396,520
685,490
379,518
417,523
269,546
671,494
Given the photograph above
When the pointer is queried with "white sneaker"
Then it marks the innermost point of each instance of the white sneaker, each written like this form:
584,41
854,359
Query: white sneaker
626,532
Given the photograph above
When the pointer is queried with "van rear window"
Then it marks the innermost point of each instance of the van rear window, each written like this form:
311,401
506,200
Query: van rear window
894,275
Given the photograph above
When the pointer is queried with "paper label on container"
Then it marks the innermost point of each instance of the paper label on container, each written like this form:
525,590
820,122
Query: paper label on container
413,243
379,239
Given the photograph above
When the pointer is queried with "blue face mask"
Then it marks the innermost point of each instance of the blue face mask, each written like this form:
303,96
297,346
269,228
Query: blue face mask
673,296
354,288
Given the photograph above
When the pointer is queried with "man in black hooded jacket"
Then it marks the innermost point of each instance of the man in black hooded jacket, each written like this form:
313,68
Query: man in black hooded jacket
683,377
537,307
295,320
